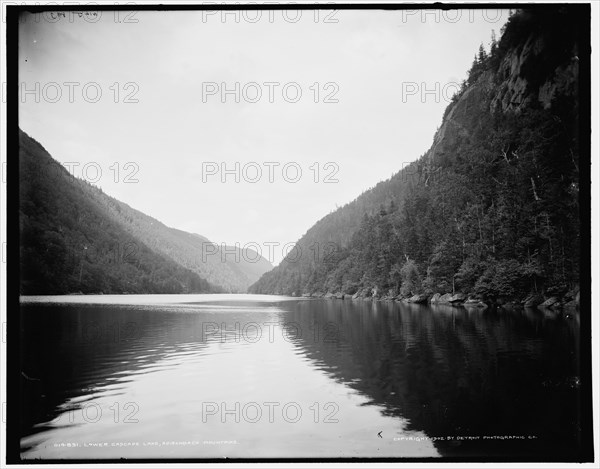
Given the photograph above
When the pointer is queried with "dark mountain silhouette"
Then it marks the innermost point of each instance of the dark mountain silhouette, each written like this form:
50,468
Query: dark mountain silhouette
75,238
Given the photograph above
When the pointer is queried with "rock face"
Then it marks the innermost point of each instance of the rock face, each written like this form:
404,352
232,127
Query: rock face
550,302
418,299
569,300
448,299
435,298
475,303
457,298
532,301
517,92
444,299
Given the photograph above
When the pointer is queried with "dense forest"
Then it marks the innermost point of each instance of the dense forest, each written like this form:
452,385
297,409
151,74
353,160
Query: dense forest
68,245
491,210
232,268
75,238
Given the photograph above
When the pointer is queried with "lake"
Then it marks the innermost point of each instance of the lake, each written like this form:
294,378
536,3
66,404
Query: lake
250,376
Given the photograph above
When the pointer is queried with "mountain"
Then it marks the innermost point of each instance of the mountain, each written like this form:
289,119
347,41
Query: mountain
492,208
75,238
232,268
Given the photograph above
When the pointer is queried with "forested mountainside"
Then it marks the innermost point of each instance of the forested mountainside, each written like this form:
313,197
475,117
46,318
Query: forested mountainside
69,244
232,269
75,238
492,209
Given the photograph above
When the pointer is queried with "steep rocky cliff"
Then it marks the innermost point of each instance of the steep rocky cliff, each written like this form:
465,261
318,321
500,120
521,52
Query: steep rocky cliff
492,208
535,63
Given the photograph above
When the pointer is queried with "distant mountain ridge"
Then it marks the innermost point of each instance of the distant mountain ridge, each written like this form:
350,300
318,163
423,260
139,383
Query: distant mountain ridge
231,268
75,238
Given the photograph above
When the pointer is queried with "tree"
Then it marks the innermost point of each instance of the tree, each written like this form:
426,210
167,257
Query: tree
411,279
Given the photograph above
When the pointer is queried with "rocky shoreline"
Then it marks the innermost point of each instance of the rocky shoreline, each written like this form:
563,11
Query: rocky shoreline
568,300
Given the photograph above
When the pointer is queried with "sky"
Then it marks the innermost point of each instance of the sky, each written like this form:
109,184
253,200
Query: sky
246,128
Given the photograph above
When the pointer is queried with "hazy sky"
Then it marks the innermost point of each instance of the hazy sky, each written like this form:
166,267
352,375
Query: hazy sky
161,108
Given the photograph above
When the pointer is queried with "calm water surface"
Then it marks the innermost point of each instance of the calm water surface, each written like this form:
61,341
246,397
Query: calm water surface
240,376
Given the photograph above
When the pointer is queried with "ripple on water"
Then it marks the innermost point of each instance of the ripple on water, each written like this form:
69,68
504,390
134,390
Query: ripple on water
378,369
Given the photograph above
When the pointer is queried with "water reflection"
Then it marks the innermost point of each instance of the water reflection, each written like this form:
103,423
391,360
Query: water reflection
395,375
457,372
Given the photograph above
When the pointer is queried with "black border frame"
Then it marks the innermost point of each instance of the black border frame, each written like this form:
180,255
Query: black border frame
13,258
